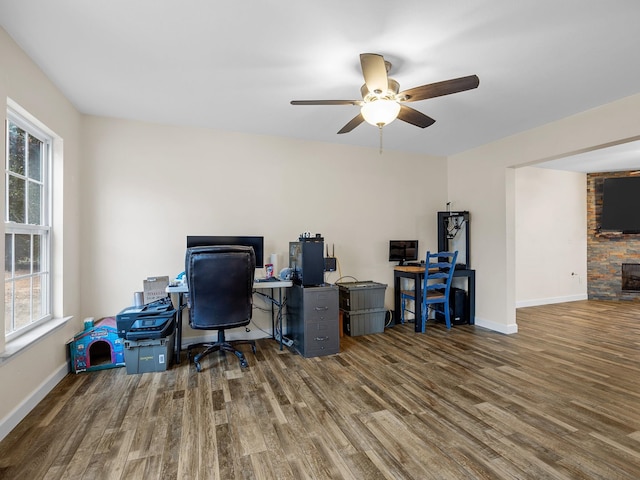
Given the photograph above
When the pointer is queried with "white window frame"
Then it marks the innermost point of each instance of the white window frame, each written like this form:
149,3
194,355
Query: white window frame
44,229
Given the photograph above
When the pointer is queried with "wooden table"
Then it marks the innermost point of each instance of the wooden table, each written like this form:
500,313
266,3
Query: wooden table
417,275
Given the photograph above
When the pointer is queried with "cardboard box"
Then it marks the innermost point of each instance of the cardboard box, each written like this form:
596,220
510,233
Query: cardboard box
149,355
154,288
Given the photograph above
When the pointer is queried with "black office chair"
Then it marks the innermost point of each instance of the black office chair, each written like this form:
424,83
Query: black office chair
220,281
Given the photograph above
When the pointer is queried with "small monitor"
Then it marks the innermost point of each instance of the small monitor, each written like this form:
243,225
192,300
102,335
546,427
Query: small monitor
403,251
205,240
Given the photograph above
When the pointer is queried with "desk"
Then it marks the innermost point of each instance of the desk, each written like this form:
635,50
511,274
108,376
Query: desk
181,290
276,305
417,275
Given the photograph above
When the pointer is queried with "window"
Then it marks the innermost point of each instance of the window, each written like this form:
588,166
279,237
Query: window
27,289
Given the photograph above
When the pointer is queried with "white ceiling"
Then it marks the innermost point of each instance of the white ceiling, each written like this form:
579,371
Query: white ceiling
235,65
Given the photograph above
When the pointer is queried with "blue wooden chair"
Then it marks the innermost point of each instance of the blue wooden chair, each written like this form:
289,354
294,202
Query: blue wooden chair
405,297
439,268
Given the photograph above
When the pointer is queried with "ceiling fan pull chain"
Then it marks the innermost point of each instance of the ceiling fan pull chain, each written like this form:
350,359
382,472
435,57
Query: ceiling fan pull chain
380,128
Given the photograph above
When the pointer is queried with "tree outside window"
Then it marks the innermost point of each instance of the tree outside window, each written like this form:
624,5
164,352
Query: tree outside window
27,228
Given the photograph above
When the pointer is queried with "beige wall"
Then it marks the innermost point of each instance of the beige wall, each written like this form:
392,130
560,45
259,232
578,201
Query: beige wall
146,187
551,236
485,178
26,376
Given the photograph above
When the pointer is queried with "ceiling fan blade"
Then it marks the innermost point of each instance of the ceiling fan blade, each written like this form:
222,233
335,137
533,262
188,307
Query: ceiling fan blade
374,71
353,123
439,89
326,102
414,117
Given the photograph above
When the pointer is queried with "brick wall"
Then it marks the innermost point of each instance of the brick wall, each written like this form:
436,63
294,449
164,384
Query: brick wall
606,251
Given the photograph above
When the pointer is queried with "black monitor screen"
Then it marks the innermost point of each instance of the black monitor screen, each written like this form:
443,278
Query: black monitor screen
621,204
256,242
403,250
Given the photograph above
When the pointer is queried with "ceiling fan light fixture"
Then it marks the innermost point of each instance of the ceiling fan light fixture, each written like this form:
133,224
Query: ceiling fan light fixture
382,101
380,112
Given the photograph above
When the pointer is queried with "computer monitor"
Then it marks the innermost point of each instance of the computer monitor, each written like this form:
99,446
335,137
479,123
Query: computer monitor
403,251
249,241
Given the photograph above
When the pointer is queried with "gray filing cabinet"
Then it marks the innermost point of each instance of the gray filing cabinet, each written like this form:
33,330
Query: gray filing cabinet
312,319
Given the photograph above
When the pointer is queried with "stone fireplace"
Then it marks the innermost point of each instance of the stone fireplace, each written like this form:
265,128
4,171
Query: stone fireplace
607,252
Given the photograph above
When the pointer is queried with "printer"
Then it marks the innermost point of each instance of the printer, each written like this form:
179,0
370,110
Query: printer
152,320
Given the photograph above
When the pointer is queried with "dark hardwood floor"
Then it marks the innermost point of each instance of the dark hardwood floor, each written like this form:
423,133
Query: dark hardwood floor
559,399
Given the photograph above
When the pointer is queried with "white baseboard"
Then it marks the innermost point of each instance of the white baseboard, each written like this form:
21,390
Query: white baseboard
497,327
9,422
549,300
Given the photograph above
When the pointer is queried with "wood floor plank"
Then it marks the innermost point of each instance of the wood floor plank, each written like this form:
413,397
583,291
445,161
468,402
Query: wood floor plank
559,400
171,443
207,441
189,449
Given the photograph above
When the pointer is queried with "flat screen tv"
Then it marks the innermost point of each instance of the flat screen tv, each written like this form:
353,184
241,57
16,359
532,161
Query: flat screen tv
403,251
621,204
256,242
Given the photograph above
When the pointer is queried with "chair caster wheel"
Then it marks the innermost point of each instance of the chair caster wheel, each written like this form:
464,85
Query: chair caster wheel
198,367
244,364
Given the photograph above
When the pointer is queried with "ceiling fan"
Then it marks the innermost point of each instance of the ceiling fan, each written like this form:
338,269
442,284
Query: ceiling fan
382,102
